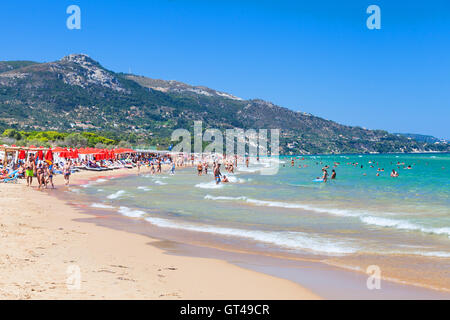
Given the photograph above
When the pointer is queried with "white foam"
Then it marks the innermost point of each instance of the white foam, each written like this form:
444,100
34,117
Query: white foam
287,205
209,185
404,225
438,254
144,188
209,197
130,212
249,170
233,179
116,195
290,240
364,216
93,183
160,182
101,206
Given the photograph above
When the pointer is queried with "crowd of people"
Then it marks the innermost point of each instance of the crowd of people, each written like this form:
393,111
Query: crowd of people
372,164
43,171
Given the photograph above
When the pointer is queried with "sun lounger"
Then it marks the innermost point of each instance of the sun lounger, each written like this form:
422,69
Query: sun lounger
12,179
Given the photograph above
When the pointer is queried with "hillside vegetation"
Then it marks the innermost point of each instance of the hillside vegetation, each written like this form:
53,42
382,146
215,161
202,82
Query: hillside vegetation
76,94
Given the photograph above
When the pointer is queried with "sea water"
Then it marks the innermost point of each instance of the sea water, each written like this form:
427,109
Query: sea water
358,213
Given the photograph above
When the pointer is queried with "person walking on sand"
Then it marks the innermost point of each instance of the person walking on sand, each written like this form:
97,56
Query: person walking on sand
50,176
66,172
40,175
159,166
44,175
152,168
29,171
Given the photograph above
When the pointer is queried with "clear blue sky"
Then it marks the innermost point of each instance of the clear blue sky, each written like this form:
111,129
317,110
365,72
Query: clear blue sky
313,56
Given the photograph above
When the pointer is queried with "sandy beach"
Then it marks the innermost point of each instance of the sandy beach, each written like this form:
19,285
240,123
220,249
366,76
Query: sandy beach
44,247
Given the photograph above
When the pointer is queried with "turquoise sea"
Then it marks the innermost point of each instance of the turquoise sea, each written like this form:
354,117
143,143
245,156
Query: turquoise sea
358,214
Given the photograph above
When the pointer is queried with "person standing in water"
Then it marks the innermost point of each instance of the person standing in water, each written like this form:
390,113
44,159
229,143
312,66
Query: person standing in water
217,173
333,174
325,175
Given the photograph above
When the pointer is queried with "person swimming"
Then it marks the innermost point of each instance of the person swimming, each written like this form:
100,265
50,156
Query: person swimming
394,173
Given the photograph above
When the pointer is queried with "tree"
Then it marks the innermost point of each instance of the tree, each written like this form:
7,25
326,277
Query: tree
76,140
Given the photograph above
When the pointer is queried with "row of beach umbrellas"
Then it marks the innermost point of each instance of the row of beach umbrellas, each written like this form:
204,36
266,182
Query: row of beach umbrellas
99,154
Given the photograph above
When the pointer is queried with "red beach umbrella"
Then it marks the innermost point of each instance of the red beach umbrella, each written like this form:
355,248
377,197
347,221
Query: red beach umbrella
22,154
40,155
49,155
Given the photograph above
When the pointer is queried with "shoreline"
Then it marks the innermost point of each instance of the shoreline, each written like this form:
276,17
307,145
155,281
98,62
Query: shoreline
43,243
213,242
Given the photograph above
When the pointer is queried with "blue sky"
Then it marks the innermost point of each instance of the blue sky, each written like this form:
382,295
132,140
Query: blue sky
313,56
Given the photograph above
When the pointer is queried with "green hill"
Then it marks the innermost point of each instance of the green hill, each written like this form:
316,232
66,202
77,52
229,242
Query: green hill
77,94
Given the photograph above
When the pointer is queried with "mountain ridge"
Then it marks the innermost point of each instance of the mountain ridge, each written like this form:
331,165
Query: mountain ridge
76,93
